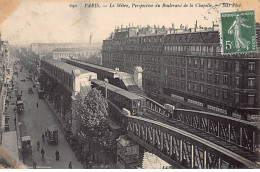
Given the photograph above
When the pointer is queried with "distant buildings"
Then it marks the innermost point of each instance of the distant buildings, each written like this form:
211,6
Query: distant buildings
4,60
76,53
46,48
184,67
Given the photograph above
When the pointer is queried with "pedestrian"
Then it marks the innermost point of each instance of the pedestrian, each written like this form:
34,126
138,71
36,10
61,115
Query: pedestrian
42,152
10,97
57,153
46,132
37,104
34,164
43,137
38,145
70,165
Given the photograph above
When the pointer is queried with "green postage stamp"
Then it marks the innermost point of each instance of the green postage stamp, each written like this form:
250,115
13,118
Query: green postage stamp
238,32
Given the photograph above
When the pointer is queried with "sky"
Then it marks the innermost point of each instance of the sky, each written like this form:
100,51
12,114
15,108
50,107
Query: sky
60,22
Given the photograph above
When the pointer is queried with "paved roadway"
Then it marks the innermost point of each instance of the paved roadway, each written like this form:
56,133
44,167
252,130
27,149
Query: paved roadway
34,121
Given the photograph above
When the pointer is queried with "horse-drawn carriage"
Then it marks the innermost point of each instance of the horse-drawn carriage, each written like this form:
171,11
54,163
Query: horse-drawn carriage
27,150
52,136
30,90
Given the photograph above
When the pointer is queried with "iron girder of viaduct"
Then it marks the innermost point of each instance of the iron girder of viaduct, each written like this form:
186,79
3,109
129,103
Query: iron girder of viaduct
177,147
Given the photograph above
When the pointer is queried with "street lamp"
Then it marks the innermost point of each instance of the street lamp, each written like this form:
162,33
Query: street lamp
61,106
106,81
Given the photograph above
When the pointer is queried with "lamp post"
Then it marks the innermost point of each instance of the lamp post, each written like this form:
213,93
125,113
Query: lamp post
106,81
61,106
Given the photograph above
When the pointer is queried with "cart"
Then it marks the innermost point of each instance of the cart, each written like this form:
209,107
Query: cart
41,94
52,136
20,107
30,90
27,150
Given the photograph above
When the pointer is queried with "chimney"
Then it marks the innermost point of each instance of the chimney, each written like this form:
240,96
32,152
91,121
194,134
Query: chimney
90,39
196,24
172,25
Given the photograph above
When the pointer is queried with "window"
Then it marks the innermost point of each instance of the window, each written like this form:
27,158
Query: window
201,88
236,97
218,49
196,62
177,84
225,79
189,73
195,86
225,95
251,66
177,72
216,92
202,75
237,81
209,91
189,61
204,48
195,74
216,78
177,61
209,63
182,84
183,61
201,63
172,83
251,82
182,72
237,66
210,49
189,85
217,64
209,77
251,99
225,66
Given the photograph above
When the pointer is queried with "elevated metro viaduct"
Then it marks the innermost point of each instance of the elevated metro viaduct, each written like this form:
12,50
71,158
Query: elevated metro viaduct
225,127
120,79
185,147
176,146
237,136
60,83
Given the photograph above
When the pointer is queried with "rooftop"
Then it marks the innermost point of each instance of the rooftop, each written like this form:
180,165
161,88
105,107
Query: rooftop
77,49
64,66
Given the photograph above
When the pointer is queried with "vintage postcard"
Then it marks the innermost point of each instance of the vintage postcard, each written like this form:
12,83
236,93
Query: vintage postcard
112,84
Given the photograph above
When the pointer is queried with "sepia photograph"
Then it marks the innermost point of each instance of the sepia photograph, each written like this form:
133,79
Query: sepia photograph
131,84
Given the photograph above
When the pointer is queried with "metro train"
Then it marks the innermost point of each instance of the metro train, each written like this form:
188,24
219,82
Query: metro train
122,98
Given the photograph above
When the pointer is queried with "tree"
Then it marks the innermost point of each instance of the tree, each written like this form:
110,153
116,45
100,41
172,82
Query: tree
91,113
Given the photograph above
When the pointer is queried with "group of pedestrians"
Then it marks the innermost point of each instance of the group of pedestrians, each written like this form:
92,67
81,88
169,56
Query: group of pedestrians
57,153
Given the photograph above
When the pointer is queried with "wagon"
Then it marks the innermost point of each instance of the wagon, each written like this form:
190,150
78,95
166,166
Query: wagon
30,90
52,136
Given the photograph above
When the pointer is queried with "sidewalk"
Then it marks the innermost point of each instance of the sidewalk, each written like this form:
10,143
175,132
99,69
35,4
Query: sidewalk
103,160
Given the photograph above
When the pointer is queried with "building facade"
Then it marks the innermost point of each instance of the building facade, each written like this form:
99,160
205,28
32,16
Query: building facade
185,67
76,53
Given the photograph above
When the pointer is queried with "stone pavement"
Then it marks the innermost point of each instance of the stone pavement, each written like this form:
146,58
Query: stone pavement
104,161
34,120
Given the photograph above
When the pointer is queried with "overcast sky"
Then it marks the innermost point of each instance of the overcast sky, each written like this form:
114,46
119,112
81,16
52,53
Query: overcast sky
50,22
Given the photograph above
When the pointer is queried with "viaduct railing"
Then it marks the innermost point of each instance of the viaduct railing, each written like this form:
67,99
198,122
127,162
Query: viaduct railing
239,132
175,146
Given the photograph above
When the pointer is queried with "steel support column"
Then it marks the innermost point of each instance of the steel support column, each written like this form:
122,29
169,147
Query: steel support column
241,136
161,145
170,145
192,156
229,132
205,159
180,150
